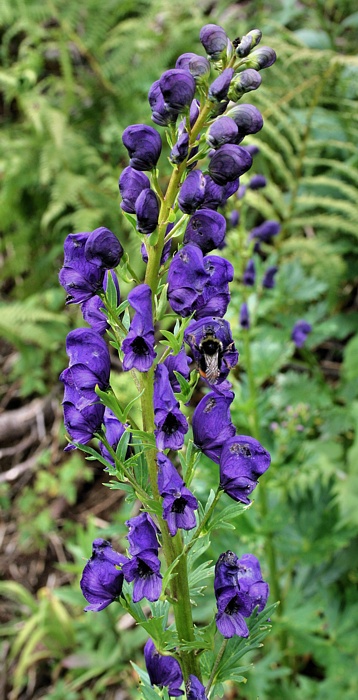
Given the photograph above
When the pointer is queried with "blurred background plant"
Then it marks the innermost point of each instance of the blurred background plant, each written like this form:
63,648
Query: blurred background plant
73,76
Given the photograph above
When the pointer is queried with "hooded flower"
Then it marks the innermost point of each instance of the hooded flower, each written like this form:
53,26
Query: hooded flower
248,120
102,248
244,82
161,113
212,425
228,163
180,149
143,569
142,534
131,183
186,279
138,346
219,88
192,192
178,88
223,130
101,582
147,211
92,308
198,66
163,671
243,460
171,424
300,332
144,146
214,39
216,296
268,281
195,689
265,231
80,278
233,607
114,430
206,229
179,503
261,58
213,348
177,363
257,182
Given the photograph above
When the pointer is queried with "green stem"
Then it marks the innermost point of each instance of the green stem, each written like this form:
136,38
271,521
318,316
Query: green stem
216,665
140,493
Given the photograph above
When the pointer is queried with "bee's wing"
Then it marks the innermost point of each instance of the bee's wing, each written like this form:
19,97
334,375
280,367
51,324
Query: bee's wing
212,367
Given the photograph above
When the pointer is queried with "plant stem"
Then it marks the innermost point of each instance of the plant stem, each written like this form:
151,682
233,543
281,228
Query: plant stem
205,519
216,665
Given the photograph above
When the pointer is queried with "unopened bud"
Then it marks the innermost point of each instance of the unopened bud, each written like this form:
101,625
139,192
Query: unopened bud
246,81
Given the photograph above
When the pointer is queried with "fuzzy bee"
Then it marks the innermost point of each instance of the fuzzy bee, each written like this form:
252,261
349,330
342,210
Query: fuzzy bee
213,348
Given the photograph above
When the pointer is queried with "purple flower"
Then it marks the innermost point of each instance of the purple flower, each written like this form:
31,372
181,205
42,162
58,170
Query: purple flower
192,192
213,348
92,308
265,231
250,580
180,149
243,460
249,274
177,363
102,248
194,689
244,318
248,41
198,66
178,88
234,218
261,58
171,424
247,118
80,278
144,146
101,582
228,163
257,182
212,425
138,346
206,229
85,346
114,430
179,503
215,297
147,211
161,113
81,424
214,194
142,534
131,184
219,88
163,671
226,573
244,82
223,130
144,570
233,607
186,279
269,277
300,332
214,39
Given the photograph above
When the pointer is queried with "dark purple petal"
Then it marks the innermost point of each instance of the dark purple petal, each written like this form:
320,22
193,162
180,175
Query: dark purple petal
144,146
228,163
223,130
171,424
261,58
178,88
101,582
214,39
265,231
138,346
82,424
192,192
244,318
114,430
212,425
247,118
257,182
142,534
178,363
186,279
232,608
206,229
195,689
103,248
248,42
178,502
163,671
198,66
218,90
214,194
216,296
269,277
131,184
300,332
147,211
92,308
85,346
243,460
226,573
249,275
81,279
161,113
144,569
180,149
244,82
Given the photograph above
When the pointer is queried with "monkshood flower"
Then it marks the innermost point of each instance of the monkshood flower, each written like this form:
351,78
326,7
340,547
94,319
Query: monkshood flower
248,42
138,346
178,88
142,534
206,229
261,58
226,572
180,149
213,348
82,424
214,39
179,503
163,671
144,146
248,120
257,182
92,308
218,90
266,231
186,279
214,194
147,211
249,275
250,580
161,113
300,332
143,569
244,82
171,424
101,582
223,130
216,296
102,248
194,689
88,352
192,192
244,318
131,183
269,277
114,430
243,460
228,163
177,363
233,607
198,66
212,425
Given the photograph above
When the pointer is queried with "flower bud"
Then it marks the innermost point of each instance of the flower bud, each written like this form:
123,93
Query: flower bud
144,146
223,130
192,192
103,248
131,184
206,229
249,275
218,90
161,114
147,211
178,88
247,118
214,39
246,81
228,163
257,182
268,281
261,58
248,42
198,66
180,150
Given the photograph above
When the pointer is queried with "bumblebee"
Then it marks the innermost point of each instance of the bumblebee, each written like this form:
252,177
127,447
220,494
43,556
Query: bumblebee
211,351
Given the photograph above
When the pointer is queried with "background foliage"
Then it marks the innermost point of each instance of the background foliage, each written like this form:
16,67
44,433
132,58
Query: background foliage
73,76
